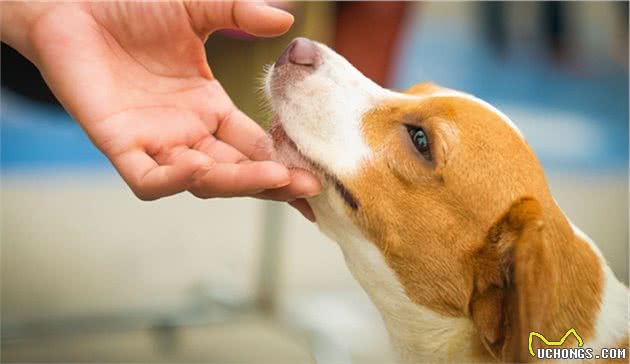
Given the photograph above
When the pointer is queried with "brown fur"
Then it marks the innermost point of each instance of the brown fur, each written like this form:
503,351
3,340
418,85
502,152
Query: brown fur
476,232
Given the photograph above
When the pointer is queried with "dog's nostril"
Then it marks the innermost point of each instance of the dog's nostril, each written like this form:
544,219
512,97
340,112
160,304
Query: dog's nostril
300,51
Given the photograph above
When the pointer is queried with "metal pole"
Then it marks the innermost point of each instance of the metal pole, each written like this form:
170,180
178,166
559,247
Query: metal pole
270,256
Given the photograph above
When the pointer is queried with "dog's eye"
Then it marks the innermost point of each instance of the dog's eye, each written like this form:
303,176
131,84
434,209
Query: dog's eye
420,140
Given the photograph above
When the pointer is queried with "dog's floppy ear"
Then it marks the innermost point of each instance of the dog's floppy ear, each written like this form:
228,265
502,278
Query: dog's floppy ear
513,277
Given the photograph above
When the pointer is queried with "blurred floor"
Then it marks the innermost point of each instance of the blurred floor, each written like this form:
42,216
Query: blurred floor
245,340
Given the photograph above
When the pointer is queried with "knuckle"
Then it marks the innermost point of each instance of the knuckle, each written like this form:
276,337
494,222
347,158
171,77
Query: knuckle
144,195
199,193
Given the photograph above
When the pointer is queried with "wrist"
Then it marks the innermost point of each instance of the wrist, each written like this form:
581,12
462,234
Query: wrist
17,20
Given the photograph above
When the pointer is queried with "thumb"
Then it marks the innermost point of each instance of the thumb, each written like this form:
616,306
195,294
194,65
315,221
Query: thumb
253,17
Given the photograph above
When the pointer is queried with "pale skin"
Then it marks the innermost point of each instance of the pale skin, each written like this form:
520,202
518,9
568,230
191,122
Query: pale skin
134,76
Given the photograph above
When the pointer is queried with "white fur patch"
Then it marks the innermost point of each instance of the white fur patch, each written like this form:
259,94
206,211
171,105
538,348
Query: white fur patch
322,112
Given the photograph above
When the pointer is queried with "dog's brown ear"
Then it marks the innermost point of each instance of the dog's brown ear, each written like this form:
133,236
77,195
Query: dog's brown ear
513,277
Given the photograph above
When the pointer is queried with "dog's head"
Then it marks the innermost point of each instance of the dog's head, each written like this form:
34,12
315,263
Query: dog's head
443,184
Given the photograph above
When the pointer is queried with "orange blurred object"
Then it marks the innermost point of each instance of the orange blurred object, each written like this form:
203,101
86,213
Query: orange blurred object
368,33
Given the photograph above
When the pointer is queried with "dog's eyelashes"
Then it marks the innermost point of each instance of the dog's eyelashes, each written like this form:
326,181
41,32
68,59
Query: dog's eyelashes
420,140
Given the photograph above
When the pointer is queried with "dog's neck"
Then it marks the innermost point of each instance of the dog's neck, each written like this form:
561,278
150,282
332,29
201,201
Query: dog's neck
419,334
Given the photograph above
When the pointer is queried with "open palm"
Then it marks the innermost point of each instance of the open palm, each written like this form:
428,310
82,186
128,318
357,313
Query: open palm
135,76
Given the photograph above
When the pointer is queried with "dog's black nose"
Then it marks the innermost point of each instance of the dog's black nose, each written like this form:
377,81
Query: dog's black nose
300,51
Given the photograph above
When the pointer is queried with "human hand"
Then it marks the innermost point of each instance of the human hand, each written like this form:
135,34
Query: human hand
135,77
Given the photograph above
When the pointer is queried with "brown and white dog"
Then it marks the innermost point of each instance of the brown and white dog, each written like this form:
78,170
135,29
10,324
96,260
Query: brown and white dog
443,214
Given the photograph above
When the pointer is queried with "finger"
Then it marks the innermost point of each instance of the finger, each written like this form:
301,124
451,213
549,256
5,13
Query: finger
303,184
242,179
150,181
256,18
238,130
304,208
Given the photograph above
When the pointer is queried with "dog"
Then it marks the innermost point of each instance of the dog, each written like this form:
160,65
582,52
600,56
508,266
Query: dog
443,215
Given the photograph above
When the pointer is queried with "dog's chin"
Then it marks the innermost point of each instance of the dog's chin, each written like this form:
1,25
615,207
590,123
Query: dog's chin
288,153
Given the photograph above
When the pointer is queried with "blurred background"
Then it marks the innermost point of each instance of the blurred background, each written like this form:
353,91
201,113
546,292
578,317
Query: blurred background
91,274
